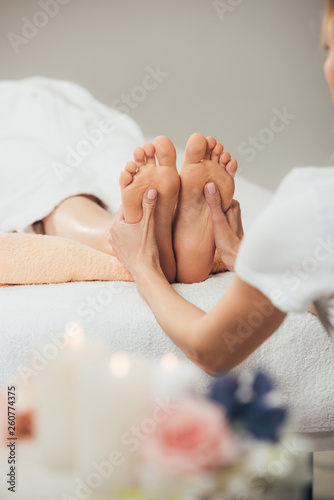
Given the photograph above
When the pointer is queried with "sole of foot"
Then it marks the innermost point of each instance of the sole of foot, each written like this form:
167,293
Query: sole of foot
205,161
144,173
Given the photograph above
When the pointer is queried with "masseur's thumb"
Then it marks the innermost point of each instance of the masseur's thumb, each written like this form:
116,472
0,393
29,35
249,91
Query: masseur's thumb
149,202
213,198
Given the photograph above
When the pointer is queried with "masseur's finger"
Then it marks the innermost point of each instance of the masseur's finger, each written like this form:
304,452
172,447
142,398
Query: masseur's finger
227,241
233,216
214,200
149,202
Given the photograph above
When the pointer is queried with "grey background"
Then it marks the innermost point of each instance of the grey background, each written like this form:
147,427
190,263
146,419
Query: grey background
226,73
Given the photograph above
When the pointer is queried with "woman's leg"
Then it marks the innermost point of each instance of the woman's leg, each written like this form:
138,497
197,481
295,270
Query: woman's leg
194,243
146,172
81,218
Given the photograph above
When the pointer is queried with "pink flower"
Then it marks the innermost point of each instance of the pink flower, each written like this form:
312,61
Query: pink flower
24,419
194,437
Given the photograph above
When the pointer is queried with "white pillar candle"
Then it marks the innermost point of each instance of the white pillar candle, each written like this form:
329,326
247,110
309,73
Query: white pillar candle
56,390
113,399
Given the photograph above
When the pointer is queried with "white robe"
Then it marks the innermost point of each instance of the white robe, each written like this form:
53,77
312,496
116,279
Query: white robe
57,141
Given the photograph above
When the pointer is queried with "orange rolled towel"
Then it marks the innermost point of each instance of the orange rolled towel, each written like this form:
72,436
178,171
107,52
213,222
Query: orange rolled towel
31,259
28,259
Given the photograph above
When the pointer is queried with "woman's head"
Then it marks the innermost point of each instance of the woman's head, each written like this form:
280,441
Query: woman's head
328,37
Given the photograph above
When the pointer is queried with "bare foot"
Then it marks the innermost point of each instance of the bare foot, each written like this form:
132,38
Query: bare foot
142,174
194,245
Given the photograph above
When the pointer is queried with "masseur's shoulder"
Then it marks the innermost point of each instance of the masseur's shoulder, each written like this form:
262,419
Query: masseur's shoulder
298,202
306,178
282,226
301,179
288,233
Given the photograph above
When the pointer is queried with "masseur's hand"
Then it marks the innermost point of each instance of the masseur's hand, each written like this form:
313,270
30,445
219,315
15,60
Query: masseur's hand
227,228
134,244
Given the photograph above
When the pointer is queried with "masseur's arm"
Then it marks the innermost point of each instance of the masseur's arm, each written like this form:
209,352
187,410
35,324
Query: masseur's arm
220,339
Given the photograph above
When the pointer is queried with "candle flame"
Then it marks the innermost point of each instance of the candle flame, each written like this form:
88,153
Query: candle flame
169,362
74,335
119,364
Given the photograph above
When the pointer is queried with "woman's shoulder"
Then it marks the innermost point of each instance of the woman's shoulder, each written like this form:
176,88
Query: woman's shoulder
286,228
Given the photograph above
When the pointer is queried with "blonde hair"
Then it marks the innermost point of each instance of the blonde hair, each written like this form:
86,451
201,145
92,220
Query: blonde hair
328,19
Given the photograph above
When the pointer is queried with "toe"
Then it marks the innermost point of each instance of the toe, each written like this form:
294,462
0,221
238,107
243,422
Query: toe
131,167
232,167
210,144
224,158
139,156
217,151
195,149
149,152
165,151
125,179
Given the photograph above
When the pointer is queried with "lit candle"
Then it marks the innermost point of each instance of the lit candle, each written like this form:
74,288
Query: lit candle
113,399
56,390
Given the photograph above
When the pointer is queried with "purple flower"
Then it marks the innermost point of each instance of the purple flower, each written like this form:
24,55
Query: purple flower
249,401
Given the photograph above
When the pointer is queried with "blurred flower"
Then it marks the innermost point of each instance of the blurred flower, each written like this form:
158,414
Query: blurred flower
25,424
252,402
195,437
24,417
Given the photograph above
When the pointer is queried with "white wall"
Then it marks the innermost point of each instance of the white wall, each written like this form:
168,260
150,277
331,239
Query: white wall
225,76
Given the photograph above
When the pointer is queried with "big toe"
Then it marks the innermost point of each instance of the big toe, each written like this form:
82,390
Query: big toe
165,151
125,179
195,149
